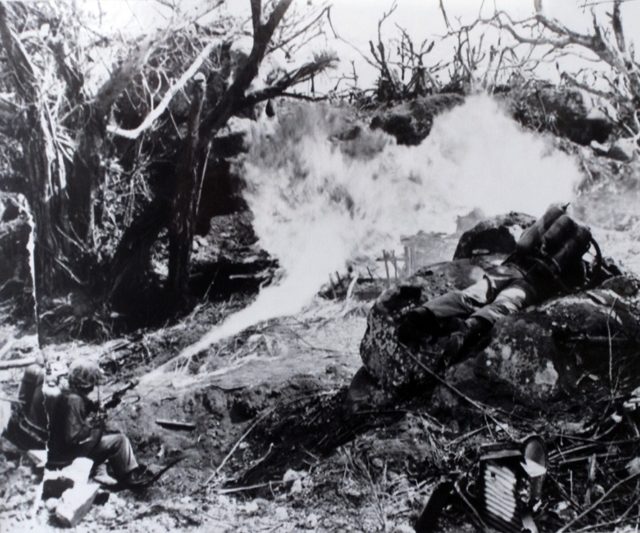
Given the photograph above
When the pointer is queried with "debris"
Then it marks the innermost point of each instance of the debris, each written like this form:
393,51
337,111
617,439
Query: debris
511,478
17,363
509,481
75,503
176,424
37,457
292,475
57,482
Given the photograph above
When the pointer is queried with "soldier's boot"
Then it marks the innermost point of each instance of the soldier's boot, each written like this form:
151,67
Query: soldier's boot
100,475
460,341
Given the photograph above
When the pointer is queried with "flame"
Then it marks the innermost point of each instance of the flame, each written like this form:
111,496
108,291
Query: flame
320,203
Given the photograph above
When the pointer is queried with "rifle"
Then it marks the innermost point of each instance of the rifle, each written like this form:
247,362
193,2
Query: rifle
116,397
99,416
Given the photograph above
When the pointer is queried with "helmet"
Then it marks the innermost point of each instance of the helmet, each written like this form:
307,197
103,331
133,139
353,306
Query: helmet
84,374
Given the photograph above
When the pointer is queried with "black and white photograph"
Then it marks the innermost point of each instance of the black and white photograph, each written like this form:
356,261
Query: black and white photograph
320,266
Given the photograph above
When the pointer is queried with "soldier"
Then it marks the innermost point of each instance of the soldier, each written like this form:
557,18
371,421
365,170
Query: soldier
547,261
77,429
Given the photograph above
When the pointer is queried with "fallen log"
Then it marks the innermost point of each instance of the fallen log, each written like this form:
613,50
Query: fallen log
17,363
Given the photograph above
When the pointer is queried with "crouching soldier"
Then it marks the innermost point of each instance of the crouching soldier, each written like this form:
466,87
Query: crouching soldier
77,429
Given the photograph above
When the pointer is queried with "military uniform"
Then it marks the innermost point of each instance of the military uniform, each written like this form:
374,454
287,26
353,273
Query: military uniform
77,428
77,432
547,261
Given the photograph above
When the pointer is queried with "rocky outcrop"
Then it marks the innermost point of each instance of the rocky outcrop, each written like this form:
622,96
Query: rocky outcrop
410,122
529,357
538,106
561,111
391,364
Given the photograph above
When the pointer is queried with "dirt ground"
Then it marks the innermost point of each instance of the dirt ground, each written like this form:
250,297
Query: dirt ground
274,449
284,362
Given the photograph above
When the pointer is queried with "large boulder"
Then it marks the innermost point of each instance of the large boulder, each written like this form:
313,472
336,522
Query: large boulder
411,121
531,357
528,357
392,365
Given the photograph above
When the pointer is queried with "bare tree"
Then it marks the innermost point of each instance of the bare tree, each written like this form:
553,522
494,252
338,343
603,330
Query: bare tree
605,43
70,135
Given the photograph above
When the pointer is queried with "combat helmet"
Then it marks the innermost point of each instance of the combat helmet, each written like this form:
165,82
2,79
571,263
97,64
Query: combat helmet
84,374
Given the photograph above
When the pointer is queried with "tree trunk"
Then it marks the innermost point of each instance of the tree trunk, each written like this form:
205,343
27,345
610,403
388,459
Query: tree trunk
45,176
131,282
86,176
184,206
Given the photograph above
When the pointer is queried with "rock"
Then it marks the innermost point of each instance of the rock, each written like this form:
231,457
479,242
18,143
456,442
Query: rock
311,521
381,355
496,235
293,475
410,122
623,150
561,111
625,286
37,457
403,528
281,514
530,356
409,446
75,504
251,507
51,504
56,482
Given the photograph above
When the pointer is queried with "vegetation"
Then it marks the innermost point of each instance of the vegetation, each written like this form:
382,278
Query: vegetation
106,169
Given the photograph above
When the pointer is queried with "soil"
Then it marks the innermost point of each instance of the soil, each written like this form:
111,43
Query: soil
250,379
276,448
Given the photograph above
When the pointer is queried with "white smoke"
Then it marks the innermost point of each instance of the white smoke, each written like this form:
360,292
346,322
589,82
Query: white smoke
318,203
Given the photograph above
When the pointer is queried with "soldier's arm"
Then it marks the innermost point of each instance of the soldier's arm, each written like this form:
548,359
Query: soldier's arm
78,430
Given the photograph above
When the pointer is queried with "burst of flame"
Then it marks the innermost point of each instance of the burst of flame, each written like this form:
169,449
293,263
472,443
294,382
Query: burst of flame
319,203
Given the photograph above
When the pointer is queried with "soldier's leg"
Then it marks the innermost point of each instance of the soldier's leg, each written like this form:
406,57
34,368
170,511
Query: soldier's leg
117,451
510,300
431,318
513,296
459,304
